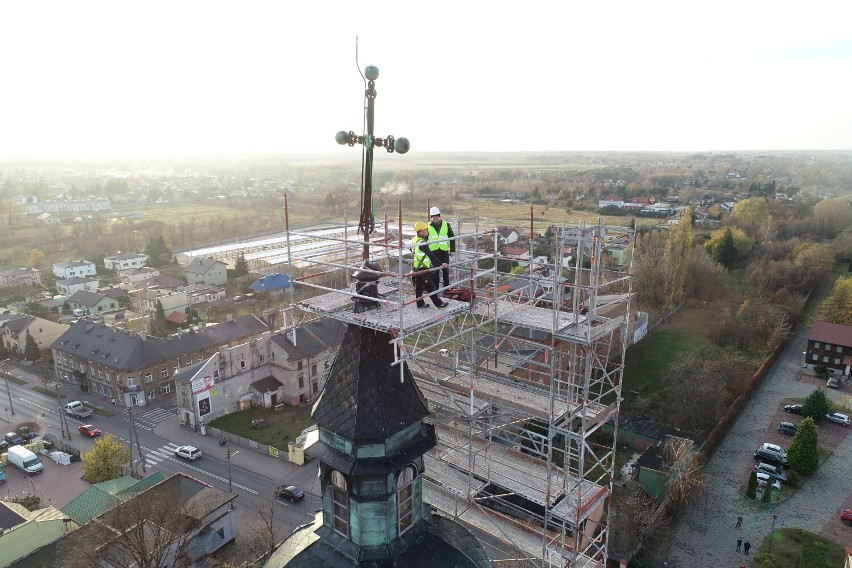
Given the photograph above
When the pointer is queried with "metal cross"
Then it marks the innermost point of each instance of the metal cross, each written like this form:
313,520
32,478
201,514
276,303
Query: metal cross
367,221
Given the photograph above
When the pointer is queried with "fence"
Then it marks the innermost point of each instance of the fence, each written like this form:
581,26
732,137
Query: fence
248,443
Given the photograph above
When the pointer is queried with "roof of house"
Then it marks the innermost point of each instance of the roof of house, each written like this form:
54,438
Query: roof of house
271,282
163,282
833,333
266,384
85,298
128,350
77,280
114,293
106,495
9,517
311,338
19,271
126,256
18,323
74,264
177,316
202,265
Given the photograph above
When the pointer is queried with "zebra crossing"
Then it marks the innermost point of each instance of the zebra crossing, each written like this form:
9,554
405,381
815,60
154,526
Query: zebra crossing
150,419
167,452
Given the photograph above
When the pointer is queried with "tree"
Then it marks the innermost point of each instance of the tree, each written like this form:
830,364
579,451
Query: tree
240,266
675,259
767,492
837,307
11,210
831,217
815,262
694,389
685,479
751,489
816,405
158,251
704,277
751,211
803,453
36,258
647,279
31,350
105,460
729,245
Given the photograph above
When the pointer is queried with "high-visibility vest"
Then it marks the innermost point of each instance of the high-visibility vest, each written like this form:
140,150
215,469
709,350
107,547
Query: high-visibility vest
435,235
421,259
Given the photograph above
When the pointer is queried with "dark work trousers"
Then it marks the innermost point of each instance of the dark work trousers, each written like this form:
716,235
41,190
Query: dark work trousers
423,282
444,256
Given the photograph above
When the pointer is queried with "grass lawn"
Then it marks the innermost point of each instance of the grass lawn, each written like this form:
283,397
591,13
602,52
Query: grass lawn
788,544
283,426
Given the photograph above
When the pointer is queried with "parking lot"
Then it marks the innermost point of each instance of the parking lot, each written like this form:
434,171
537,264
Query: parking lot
56,484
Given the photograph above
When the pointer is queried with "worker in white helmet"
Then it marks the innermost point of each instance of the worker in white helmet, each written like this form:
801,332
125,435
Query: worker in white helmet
423,258
439,231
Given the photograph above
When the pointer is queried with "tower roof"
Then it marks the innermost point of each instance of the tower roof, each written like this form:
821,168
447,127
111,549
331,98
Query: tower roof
364,399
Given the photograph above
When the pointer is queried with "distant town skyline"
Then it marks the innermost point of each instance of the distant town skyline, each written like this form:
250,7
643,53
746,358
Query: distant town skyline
103,79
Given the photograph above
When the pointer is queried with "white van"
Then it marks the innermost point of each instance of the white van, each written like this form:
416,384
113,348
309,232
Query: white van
24,459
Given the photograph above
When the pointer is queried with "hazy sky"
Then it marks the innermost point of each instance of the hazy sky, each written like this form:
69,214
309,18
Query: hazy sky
185,77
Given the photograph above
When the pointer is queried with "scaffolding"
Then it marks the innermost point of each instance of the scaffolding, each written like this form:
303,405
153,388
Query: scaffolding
519,379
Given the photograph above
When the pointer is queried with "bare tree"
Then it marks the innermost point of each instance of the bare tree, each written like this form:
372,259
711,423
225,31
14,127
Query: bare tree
695,390
263,528
685,477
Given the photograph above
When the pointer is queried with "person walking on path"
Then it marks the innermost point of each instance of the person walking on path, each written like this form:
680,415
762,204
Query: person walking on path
438,231
739,522
746,546
423,260
739,543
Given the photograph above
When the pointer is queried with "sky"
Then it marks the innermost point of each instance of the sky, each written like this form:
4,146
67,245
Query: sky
182,77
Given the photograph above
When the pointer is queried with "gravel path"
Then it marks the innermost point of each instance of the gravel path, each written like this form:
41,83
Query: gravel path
707,535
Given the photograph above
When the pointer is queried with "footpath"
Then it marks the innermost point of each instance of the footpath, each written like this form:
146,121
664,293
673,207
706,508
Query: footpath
707,535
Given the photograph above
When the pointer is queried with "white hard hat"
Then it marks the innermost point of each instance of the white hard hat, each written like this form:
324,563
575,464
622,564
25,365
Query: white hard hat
434,211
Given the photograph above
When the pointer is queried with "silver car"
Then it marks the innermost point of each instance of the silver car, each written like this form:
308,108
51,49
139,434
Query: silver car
837,418
188,452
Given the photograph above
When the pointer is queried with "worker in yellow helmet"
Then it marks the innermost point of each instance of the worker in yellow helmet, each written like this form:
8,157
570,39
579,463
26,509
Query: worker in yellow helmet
422,260
439,231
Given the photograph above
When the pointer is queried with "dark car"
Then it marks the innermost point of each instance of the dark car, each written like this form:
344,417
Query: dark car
788,428
795,408
290,492
13,439
770,457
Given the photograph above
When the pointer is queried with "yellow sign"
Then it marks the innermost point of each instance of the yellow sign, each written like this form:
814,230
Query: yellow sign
273,451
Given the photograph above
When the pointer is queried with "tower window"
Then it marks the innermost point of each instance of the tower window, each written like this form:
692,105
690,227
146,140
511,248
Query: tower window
404,500
340,503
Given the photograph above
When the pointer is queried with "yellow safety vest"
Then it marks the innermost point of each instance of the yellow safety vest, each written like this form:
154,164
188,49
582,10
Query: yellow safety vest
421,260
435,235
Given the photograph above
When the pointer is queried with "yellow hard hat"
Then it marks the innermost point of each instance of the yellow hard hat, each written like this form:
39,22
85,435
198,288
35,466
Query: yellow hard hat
420,226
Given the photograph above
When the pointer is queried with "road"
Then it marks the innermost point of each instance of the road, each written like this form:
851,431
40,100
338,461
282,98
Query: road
213,468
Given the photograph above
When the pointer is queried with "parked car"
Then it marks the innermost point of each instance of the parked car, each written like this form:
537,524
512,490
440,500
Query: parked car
13,439
837,418
771,457
771,470
188,453
79,312
833,383
763,479
788,428
774,448
89,430
290,492
846,516
795,408
3,444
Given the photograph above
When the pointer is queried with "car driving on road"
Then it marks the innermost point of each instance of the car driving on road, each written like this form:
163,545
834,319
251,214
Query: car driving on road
89,430
188,453
290,492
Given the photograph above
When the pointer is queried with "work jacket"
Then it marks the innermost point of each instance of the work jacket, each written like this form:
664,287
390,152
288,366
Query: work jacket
443,233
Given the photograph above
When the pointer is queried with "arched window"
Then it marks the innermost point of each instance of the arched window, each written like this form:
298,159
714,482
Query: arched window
340,503
404,499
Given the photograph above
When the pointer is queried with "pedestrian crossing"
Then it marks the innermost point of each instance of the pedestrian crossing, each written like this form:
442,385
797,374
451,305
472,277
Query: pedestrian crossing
167,452
149,420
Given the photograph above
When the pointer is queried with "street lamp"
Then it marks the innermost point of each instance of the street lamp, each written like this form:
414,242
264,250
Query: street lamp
229,455
772,532
6,365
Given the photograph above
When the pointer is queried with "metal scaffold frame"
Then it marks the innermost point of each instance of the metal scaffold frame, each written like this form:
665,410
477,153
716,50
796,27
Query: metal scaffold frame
520,379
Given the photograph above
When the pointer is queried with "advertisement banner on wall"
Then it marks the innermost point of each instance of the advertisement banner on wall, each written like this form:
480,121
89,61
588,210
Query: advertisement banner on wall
204,404
201,384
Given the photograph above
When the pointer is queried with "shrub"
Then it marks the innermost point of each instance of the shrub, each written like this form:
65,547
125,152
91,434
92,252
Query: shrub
803,452
813,555
751,490
767,560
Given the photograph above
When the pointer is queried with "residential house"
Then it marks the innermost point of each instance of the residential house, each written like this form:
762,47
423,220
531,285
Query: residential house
135,277
49,219
14,328
23,532
92,302
76,268
161,282
830,346
71,285
34,207
652,468
182,517
20,277
201,293
126,261
301,358
101,497
135,368
206,271
171,301
508,235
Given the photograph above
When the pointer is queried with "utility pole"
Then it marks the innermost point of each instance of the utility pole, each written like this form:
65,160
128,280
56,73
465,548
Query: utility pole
6,365
132,433
229,455
63,423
